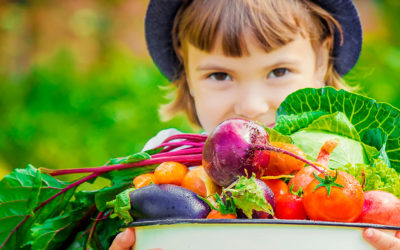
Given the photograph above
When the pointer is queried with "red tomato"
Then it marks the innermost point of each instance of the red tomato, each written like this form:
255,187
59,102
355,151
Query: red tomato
289,206
277,186
343,203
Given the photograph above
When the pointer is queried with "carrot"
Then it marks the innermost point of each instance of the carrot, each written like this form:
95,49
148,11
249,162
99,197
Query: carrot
215,214
325,152
283,164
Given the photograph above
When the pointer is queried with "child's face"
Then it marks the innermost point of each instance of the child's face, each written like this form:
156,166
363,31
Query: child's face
251,86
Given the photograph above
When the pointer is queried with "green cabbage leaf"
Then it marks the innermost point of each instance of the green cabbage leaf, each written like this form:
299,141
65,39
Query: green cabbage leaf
367,130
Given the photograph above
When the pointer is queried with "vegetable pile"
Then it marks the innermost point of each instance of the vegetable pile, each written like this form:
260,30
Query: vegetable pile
332,156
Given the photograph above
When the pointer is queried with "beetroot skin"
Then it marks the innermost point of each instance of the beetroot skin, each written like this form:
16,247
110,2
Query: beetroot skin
230,151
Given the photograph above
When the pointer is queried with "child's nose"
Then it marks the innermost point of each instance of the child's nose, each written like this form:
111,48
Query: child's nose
251,104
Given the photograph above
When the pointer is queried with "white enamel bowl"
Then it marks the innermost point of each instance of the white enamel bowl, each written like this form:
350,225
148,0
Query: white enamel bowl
196,234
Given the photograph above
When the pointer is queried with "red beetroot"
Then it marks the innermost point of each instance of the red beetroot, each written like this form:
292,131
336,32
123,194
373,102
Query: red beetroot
229,150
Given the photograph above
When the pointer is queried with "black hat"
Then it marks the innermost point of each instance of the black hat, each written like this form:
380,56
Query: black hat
160,18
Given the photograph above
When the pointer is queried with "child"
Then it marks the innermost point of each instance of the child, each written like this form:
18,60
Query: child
241,58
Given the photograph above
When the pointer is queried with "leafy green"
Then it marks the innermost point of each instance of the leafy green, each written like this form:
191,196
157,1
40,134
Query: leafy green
336,123
105,232
377,177
248,196
305,106
377,137
54,231
140,156
275,136
21,192
107,194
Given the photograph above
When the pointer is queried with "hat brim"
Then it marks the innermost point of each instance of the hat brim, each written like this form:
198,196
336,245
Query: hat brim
160,19
346,52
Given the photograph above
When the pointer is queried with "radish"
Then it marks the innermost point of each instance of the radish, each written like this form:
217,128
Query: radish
235,148
380,207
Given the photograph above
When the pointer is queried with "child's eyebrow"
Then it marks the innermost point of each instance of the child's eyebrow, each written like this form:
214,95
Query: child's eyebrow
211,67
284,62
288,61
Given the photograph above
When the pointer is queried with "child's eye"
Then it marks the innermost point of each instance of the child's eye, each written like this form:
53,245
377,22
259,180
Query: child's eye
220,76
279,72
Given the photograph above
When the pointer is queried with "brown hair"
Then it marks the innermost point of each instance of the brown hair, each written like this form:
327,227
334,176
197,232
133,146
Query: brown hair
267,20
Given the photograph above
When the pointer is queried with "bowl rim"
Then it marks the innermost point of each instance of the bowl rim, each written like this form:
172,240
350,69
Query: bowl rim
173,221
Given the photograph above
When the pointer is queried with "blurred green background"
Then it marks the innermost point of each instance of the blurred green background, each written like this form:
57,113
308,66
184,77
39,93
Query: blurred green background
78,87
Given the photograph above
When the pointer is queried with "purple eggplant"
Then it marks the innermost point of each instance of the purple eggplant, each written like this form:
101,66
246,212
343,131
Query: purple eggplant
161,201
